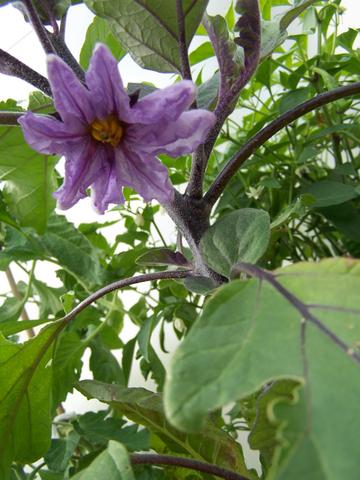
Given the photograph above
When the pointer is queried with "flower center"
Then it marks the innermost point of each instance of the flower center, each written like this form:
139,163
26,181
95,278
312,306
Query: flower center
108,130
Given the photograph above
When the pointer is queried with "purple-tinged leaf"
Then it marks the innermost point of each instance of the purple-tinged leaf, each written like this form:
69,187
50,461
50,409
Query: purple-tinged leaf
229,55
162,256
249,27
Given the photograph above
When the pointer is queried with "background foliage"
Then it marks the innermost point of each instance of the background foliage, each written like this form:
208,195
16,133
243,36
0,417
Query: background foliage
280,348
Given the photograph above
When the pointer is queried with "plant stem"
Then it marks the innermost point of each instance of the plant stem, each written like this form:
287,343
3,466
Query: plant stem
183,53
63,26
269,131
146,277
62,50
15,291
41,32
249,39
184,462
10,65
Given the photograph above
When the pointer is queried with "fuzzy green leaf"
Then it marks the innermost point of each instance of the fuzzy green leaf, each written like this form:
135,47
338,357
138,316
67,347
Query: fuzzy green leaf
112,464
250,334
242,235
148,29
99,31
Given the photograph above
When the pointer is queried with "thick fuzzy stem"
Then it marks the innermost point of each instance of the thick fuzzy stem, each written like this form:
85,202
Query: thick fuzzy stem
41,32
10,65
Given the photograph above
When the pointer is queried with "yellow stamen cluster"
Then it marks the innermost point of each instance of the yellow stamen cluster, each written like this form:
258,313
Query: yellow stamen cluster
108,130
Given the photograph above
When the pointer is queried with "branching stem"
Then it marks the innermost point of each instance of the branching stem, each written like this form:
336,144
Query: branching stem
146,277
184,462
269,131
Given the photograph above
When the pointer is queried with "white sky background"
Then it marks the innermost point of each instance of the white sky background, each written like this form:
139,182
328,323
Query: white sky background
17,38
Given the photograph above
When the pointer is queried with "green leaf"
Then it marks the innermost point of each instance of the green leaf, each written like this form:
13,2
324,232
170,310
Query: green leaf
39,102
242,235
25,398
264,435
271,37
104,366
112,464
61,451
145,408
98,430
162,256
251,334
148,29
99,31
10,310
201,285
11,328
203,52
293,13
207,92
73,251
29,178
50,298
292,99
327,192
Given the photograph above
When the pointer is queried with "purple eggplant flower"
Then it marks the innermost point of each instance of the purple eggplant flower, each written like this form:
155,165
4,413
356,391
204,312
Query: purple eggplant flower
109,144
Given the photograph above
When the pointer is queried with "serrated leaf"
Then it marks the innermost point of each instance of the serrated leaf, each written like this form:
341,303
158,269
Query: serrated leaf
242,234
145,408
73,251
99,31
97,429
251,333
112,464
148,29
25,398
29,178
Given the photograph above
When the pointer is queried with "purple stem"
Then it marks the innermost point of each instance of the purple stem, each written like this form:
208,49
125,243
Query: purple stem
184,462
10,65
41,32
269,131
183,53
146,277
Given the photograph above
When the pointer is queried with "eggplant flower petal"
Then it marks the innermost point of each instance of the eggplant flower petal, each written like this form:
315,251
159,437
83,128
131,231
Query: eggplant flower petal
107,142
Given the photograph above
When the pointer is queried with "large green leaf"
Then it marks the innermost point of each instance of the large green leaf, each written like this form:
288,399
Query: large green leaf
112,464
99,31
242,235
29,178
145,408
25,398
148,29
253,332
